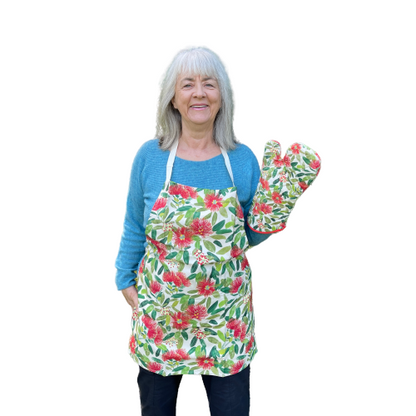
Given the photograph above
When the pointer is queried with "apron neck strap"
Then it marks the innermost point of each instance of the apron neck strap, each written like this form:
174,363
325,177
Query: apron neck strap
171,160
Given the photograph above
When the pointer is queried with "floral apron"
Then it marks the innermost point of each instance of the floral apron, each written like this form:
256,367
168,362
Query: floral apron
195,312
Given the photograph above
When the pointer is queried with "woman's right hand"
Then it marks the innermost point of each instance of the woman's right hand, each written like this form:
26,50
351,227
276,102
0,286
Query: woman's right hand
131,296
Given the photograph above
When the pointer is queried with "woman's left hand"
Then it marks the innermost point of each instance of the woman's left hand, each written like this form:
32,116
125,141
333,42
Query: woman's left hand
131,296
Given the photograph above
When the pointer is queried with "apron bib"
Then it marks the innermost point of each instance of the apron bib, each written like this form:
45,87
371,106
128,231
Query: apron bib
195,311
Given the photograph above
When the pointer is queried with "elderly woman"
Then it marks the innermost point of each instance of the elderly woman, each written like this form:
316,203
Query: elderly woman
182,263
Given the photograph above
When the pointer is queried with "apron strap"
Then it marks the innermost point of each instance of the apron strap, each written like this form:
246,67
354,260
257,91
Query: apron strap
171,159
228,164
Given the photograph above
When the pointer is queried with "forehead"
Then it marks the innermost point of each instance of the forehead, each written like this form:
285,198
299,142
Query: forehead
192,77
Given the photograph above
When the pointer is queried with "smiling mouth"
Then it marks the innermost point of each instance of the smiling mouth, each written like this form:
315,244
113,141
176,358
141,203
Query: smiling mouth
199,107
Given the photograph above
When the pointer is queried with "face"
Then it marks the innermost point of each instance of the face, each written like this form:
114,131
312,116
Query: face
198,99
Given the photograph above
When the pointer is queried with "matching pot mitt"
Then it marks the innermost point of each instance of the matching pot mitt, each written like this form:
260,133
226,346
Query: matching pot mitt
282,182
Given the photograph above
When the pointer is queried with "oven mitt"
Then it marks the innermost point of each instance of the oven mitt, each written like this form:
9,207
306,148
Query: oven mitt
282,182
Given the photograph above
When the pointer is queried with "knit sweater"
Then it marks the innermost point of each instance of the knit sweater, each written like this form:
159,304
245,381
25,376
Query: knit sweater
147,179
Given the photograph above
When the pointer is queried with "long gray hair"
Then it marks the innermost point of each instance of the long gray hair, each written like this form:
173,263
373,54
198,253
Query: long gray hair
192,62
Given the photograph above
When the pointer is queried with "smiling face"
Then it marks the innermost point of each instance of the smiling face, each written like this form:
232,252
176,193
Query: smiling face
198,100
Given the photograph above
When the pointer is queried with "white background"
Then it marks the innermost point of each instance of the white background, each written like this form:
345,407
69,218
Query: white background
334,294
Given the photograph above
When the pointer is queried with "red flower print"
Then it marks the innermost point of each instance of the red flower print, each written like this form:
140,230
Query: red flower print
201,227
206,287
191,192
181,276
175,190
160,203
184,191
153,367
243,331
180,320
198,312
155,287
240,213
267,209
151,333
265,184
315,164
141,266
159,335
237,367
286,161
235,285
256,208
177,355
132,344
250,344
295,148
244,263
205,362
277,198
160,247
233,324
278,161
236,251
148,321
182,237
303,186
237,331
213,202
178,278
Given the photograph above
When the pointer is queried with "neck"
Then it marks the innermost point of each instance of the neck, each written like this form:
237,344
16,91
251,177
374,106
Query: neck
197,145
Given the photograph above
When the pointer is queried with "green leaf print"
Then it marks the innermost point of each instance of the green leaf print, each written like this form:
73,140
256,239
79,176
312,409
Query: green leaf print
193,342
224,250
224,231
194,267
185,256
212,307
180,368
218,226
169,336
213,256
208,245
221,335
223,212
214,352
171,255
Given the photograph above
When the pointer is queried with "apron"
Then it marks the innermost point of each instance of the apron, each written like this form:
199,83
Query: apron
195,312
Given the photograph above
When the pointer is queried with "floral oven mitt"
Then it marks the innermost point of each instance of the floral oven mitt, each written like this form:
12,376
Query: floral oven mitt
282,182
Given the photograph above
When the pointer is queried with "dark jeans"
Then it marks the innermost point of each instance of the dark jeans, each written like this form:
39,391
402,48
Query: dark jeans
227,396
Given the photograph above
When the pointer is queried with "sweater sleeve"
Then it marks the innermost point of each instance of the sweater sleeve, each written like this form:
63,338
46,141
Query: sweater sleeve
132,245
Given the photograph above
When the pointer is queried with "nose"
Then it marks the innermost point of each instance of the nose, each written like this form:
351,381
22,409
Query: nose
199,90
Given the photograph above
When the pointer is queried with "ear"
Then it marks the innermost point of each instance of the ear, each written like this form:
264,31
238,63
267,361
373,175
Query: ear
173,103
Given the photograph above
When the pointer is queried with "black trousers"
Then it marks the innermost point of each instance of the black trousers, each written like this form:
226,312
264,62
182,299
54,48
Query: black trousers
227,396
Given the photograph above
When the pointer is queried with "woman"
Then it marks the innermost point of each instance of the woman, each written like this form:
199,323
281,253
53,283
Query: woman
185,226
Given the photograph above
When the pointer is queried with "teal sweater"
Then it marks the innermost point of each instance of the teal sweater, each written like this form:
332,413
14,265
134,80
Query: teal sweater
147,178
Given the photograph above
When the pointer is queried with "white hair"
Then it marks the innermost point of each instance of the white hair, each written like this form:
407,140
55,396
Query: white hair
195,61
